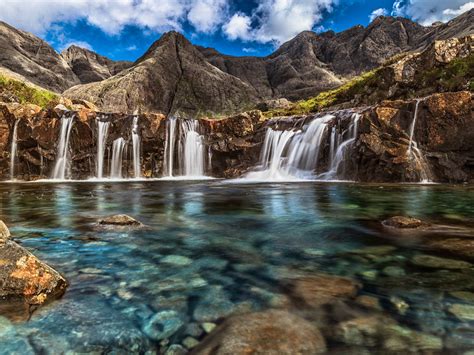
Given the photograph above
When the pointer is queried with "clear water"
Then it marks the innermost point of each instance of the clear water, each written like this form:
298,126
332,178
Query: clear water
212,248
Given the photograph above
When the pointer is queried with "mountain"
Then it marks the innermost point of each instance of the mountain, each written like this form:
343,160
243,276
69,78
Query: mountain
90,66
172,76
34,59
176,76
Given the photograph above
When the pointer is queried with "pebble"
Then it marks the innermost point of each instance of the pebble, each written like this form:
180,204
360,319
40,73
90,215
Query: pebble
462,311
463,295
178,260
208,327
399,304
435,262
190,342
176,349
394,271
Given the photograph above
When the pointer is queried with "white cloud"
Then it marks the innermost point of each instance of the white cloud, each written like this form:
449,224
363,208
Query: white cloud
72,42
428,11
207,15
131,48
238,27
112,16
376,13
249,50
278,20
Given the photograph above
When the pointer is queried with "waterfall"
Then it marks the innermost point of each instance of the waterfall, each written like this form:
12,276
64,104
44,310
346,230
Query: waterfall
412,127
118,147
168,161
288,155
103,130
414,153
291,154
340,145
13,151
191,149
63,157
136,148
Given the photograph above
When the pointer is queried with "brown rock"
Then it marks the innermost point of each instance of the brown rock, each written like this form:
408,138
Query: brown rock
458,246
24,277
402,222
270,332
120,220
317,290
4,232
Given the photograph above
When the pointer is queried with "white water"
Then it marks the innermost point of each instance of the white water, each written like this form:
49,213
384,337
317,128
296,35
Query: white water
415,154
13,151
102,133
117,154
168,160
136,148
63,163
191,149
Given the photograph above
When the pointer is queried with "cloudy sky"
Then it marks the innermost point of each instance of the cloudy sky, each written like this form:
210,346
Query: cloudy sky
124,29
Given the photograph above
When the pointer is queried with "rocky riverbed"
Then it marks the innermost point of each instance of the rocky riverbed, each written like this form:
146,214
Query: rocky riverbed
311,268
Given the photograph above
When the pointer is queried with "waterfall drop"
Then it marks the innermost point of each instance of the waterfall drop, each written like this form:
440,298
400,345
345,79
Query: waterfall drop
63,157
184,135
136,148
118,147
102,133
13,152
415,154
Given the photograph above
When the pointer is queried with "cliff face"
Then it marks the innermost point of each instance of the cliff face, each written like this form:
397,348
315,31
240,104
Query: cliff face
90,66
442,141
33,58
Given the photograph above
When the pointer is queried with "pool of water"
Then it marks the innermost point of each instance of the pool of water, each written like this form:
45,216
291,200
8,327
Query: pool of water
213,248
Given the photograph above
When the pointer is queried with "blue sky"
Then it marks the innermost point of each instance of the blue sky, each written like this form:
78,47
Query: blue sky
124,29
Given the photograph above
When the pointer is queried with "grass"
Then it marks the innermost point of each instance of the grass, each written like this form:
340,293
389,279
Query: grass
343,93
26,93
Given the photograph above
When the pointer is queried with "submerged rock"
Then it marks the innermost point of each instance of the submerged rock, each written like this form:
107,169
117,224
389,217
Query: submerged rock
403,222
4,231
24,277
459,246
269,332
462,311
435,262
120,220
317,290
163,325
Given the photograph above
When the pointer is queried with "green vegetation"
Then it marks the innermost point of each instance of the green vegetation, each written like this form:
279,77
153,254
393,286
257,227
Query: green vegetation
456,75
25,93
343,93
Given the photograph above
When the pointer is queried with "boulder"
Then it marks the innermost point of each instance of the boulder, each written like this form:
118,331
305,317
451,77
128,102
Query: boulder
320,289
269,332
24,277
119,220
402,222
4,232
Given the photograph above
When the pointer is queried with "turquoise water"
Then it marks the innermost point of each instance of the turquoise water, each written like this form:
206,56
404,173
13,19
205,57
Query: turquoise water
213,248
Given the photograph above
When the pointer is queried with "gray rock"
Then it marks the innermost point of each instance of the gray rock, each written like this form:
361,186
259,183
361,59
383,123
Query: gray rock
177,260
119,220
176,349
163,325
4,231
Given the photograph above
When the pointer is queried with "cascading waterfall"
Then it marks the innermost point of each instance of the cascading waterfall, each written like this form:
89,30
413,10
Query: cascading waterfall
290,155
191,148
136,148
118,147
103,130
168,162
415,153
13,151
63,157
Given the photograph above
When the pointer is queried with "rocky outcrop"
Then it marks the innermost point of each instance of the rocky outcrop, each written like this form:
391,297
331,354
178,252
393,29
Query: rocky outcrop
23,278
269,332
443,132
119,220
34,59
90,66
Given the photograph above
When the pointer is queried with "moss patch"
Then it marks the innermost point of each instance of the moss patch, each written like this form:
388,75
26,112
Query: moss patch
25,93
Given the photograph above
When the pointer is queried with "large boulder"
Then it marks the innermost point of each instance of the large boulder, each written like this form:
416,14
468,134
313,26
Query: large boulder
4,232
26,279
269,332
